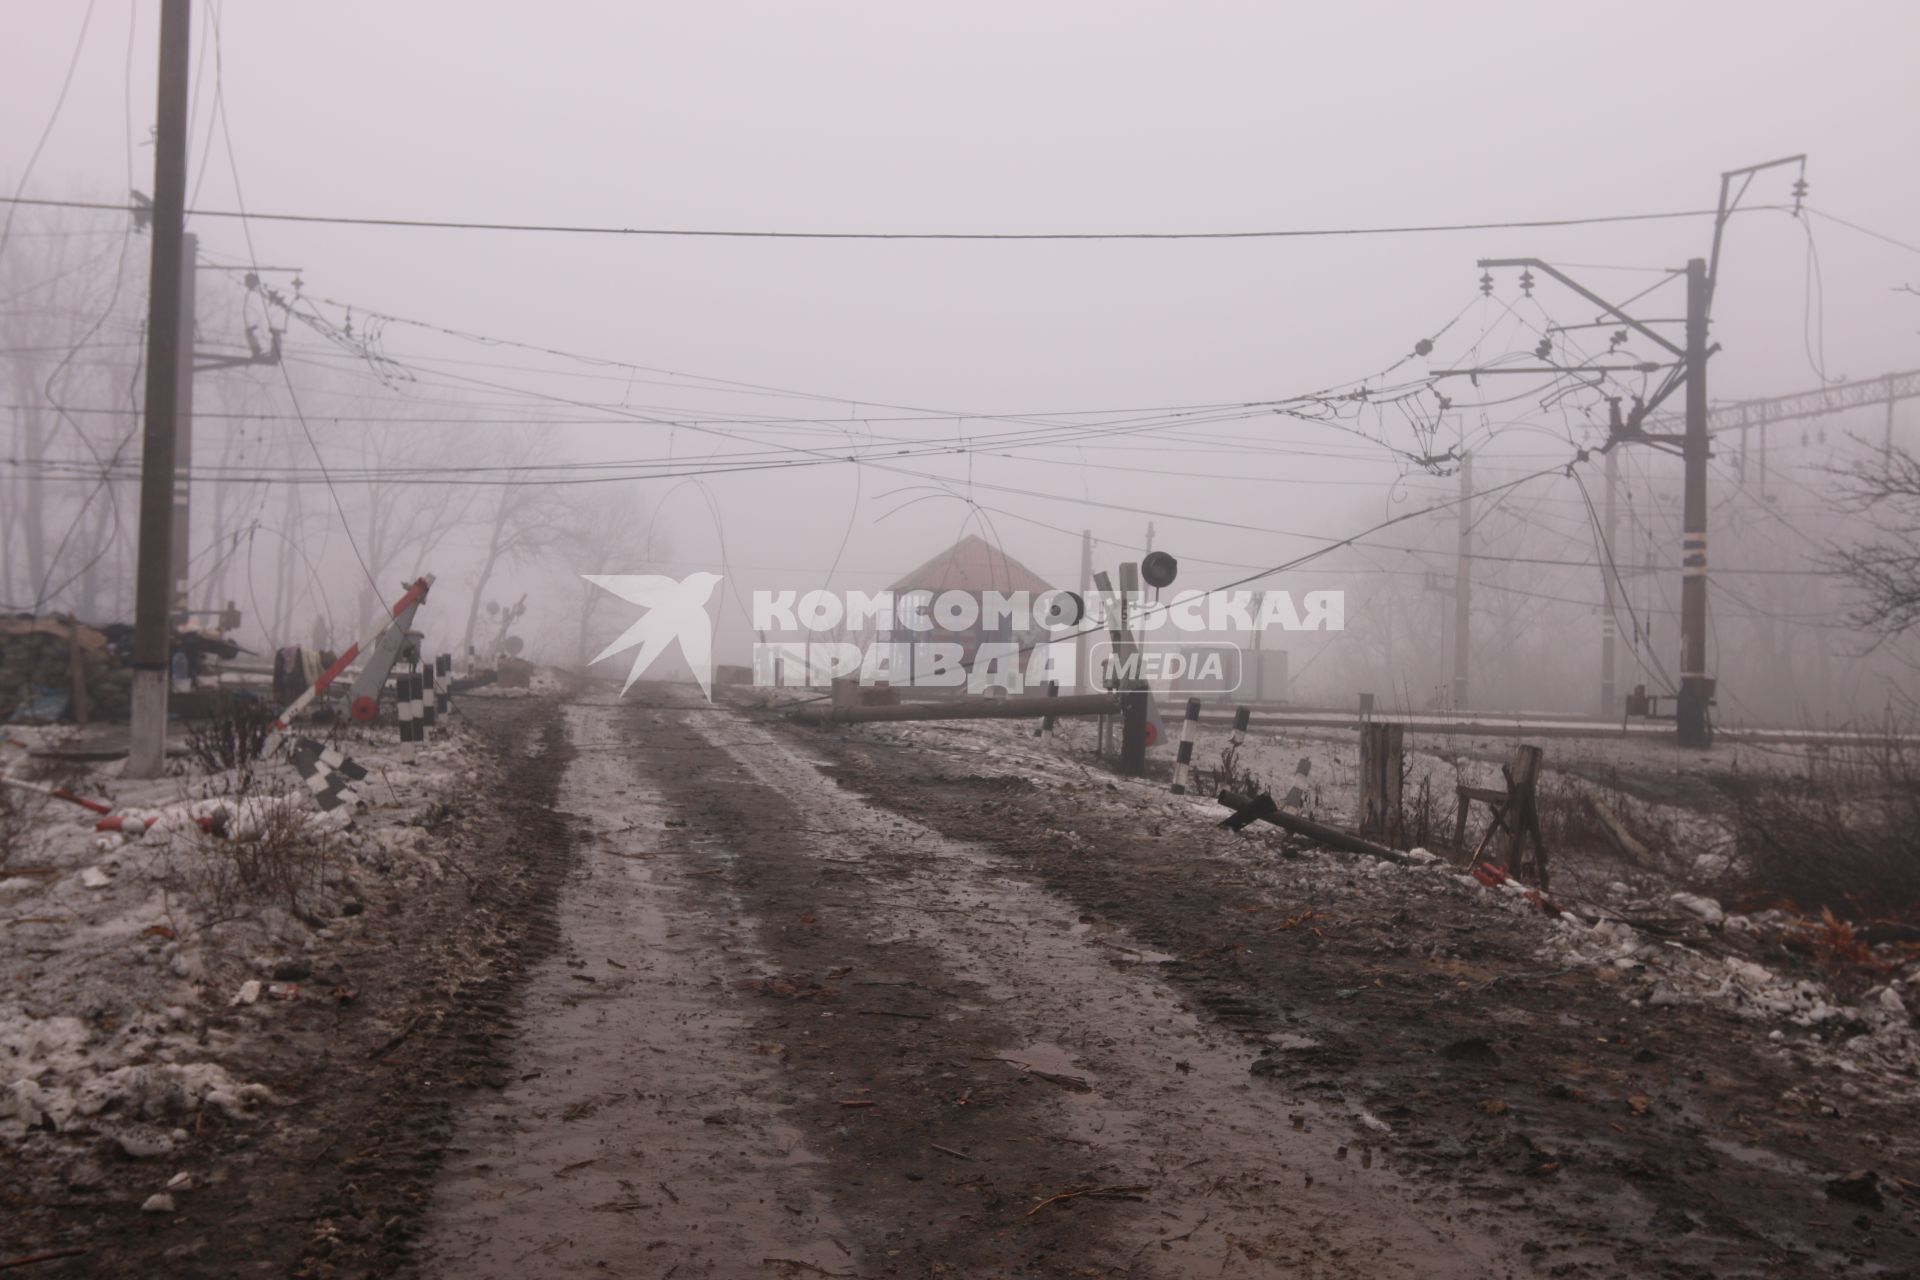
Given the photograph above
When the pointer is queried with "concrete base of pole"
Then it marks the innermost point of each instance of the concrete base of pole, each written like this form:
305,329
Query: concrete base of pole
147,734
1693,712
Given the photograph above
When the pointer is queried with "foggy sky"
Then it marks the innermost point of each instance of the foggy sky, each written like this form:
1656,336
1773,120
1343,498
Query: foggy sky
1017,117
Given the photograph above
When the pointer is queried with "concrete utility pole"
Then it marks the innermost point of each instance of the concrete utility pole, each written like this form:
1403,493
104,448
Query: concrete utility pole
1695,728
1083,678
1686,370
179,545
146,750
1133,690
1609,627
1463,586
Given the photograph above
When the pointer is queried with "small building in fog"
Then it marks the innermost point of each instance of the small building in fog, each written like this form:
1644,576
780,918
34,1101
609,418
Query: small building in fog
975,567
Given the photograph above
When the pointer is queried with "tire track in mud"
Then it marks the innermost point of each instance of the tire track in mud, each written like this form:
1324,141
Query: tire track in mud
382,1134
641,1132
1231,1178
756,1092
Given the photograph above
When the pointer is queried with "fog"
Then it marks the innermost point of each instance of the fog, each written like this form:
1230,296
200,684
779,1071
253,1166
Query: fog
509,409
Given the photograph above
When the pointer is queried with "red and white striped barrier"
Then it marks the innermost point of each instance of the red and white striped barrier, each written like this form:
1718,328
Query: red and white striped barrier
415,594
58,793
127,824
138,824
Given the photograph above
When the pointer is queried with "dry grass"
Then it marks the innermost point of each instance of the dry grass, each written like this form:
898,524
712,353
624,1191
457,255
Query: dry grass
1228,775
1427,819
278,861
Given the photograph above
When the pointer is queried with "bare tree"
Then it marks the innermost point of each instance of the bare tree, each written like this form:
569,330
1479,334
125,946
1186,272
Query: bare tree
1884,569
72,293
522,520
405,521
606,534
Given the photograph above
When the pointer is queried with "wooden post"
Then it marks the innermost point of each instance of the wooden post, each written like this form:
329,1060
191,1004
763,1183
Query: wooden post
1523,817
1381,750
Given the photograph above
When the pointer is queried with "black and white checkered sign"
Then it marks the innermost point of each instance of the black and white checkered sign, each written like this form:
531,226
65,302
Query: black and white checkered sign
329,775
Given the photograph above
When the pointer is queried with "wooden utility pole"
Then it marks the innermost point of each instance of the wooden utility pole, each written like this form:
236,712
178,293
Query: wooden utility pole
1463,586
1694,726
146,753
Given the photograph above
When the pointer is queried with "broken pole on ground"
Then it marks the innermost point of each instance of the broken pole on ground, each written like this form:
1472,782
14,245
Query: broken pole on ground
1263,809
1079,704
1382,750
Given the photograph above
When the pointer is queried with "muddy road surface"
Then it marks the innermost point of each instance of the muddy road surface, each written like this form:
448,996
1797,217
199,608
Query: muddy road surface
879,1004
788,1032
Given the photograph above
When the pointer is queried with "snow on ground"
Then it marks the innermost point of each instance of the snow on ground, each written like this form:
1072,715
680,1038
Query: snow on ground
118,955
1695,954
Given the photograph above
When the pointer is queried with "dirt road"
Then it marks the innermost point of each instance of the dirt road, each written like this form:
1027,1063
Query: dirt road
866,1005
786,1030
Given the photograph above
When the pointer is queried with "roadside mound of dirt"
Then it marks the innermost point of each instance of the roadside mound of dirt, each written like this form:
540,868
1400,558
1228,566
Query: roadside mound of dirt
396,992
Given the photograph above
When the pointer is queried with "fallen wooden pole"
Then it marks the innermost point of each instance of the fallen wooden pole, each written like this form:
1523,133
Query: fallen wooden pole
1624,840
1332,837
1078,704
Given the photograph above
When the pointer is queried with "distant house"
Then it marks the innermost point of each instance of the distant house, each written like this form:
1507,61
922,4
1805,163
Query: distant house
975,567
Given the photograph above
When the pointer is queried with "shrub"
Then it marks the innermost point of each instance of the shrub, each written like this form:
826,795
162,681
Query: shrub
230,735
1842,838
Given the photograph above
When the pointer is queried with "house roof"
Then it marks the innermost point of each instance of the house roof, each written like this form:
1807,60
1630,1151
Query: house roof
972,564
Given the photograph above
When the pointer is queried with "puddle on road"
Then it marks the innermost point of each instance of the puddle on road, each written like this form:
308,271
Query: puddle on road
1244,1180
638,1137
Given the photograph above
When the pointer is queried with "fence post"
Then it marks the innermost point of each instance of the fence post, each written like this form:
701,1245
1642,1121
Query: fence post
1381,749
1523,816
1183,761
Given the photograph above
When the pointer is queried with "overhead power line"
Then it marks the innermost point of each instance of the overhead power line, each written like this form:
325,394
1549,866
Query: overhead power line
583,229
